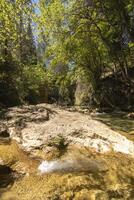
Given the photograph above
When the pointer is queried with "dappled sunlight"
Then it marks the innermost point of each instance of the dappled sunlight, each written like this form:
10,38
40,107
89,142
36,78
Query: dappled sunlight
93,175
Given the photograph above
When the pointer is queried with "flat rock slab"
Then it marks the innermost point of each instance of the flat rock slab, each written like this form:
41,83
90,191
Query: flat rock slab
75,127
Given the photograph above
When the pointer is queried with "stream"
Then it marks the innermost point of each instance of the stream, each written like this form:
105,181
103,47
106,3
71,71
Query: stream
118,122
78,174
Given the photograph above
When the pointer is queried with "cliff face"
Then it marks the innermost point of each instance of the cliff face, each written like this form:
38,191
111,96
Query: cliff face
115,93
111,93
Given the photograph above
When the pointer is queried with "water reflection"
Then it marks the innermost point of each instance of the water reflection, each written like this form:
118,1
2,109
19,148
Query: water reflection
118,122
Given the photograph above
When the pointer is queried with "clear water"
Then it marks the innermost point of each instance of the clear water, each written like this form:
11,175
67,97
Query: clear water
118,122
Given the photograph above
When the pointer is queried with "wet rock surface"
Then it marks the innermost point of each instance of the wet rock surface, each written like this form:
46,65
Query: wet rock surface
92,175
111,177
89,156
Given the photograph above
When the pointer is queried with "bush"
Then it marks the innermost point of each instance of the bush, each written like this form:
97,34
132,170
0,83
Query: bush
20,84
35,84
10,84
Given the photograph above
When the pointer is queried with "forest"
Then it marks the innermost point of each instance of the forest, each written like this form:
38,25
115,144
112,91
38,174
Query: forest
66,99
69,52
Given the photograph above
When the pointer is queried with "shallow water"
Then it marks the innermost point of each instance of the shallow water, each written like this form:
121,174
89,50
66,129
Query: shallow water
110,176
118,122
80,174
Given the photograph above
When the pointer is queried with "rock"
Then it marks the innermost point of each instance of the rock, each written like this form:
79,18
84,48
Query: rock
91,195
131,132
131,115
74,127
34,126
4,134
9,196
1,162
20,116
83,93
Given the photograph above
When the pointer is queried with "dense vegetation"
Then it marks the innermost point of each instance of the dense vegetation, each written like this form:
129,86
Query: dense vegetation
66,51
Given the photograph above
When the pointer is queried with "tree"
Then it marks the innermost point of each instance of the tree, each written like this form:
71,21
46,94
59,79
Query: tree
17,48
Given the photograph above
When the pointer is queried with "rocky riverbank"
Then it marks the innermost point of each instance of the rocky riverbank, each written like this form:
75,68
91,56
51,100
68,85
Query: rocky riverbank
34,127
92,161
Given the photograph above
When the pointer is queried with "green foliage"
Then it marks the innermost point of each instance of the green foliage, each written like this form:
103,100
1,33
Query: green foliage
59,142
61,87
97,37
35,83
20,84
17,48
15,31
78,40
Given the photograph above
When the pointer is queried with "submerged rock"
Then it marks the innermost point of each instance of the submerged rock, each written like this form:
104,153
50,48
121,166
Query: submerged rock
4,134
81,173
68,145
91,194
131,115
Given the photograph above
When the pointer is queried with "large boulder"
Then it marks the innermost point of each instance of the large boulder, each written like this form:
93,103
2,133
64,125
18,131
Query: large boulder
74,127
131,115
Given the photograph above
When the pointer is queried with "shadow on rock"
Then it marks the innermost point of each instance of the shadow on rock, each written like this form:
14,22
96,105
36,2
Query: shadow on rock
7,176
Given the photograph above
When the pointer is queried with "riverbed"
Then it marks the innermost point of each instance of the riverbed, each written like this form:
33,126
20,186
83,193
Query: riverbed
81,173
118,122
